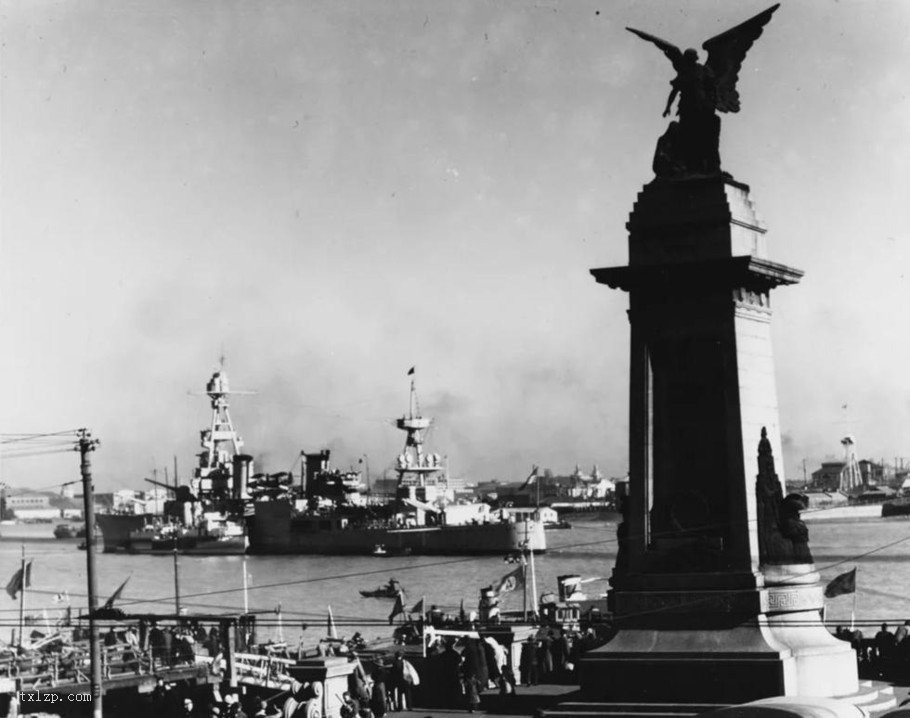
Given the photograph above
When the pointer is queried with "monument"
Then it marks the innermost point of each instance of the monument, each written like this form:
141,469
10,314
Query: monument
714,592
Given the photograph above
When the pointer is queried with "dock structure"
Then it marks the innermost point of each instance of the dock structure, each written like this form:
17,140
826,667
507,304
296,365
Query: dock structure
201,654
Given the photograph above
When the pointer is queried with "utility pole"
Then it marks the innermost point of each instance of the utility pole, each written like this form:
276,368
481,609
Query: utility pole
23,579
176,581
86,445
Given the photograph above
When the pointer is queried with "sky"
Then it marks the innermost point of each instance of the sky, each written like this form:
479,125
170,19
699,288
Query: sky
328,193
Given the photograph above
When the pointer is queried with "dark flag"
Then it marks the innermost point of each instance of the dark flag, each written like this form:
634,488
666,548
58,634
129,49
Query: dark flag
19,582
839,585
399,607
511,581
531,477
109,604
411,371
418,607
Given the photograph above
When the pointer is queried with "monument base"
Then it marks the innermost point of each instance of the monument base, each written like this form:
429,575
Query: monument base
722,647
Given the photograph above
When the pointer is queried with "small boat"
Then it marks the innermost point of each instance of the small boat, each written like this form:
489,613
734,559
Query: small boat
379,550
65,531
390,590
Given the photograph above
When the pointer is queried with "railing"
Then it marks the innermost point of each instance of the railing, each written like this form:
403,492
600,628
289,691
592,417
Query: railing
265,670
59,670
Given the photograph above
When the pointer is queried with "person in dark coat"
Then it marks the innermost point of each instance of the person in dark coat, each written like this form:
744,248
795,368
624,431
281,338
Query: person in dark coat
400,684
544,658
528,663
475,662
472,692
379,702
450,676
560,650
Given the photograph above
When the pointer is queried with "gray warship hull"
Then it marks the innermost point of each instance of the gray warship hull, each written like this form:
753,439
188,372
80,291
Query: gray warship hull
275,528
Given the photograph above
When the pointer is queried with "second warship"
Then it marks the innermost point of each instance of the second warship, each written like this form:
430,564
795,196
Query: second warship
329,514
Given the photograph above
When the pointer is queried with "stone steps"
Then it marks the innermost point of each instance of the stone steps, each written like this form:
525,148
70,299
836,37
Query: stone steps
581,709
874,697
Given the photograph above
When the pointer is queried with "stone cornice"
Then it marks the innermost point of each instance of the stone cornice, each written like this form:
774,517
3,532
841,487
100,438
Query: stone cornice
729,272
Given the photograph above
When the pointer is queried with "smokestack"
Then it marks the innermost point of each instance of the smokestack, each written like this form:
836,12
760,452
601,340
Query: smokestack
313,465
241,475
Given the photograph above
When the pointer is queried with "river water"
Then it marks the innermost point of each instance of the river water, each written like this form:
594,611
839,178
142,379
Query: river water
305,586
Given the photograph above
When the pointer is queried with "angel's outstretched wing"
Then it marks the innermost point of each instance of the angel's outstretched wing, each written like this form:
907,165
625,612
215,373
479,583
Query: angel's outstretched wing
726,53
668,48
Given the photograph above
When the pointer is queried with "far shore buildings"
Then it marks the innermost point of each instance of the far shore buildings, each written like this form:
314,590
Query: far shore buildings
549,489
24,505
854,480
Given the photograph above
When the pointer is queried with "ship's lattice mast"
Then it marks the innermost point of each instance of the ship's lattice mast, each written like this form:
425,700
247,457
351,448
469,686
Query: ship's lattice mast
415,466
220,441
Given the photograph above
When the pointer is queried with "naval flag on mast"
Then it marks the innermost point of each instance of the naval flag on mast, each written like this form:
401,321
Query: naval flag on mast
20,581
511,581
839,585
531,477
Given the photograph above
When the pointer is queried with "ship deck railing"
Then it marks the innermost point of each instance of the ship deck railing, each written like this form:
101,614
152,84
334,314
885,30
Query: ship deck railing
62,669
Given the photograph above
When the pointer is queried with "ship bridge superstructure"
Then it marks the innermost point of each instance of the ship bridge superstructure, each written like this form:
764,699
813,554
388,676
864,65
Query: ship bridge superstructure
420,473
220,441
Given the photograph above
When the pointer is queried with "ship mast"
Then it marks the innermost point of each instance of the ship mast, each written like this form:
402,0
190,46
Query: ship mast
416,468
220,441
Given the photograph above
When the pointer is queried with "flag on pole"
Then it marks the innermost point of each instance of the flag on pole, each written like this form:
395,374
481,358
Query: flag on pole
839,585
398,608
330,630
531,477
418,607
511,581
411,371
19,581
109,604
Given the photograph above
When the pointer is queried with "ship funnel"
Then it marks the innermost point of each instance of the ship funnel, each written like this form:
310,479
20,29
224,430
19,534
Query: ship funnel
314,464
241,467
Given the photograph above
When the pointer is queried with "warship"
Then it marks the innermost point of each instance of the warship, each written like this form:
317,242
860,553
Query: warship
206,517
329,513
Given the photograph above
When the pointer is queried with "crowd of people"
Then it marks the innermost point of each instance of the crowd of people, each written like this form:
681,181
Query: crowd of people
170,700
389,686
886,655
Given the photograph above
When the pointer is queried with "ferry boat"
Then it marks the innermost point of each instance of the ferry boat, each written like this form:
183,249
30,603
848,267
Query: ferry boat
328,515
206,517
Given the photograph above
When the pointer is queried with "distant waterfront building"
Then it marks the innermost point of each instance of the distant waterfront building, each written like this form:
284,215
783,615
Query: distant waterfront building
31,506
844,476
549,488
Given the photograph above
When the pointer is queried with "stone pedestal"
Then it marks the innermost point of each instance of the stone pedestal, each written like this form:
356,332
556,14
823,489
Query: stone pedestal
332,672
700,619
511,637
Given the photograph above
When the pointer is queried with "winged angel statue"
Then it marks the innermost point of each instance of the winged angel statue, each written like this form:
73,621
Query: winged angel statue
689,147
